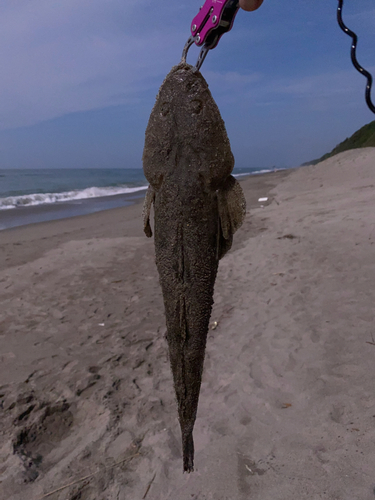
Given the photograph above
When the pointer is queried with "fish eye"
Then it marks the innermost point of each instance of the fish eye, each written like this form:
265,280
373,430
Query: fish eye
196,106
164,108
191,86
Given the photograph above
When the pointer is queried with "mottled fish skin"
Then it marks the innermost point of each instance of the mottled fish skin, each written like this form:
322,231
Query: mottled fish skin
198,206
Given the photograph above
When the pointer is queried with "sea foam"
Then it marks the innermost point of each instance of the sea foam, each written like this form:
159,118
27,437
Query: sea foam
49,198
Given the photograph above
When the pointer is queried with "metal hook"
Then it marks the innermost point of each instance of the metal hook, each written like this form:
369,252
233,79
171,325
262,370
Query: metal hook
202,54
188,44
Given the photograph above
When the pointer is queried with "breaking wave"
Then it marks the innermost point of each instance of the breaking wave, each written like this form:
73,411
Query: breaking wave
256,172
29,200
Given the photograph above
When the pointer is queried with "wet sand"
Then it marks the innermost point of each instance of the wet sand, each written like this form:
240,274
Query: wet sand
287,407
24,215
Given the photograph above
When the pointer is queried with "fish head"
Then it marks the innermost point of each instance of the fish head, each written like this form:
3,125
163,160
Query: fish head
186,135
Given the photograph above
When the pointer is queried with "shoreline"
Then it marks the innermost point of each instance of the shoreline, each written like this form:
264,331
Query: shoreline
34,214
23,216
17,244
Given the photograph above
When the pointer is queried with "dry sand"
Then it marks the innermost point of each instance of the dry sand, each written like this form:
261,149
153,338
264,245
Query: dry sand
287,408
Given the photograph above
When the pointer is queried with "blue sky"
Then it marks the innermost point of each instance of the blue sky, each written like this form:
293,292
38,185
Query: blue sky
79,78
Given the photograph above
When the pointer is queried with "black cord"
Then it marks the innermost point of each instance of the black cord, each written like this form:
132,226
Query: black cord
355,62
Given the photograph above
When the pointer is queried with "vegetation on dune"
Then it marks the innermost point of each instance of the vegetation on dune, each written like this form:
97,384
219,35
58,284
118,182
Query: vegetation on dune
363,138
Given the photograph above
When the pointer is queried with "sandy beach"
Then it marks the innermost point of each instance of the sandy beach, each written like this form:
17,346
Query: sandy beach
287,406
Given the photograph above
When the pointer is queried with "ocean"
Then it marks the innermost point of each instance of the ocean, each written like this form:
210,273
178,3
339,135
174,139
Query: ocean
35,195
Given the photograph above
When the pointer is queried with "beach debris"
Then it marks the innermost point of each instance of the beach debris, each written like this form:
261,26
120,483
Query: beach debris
214,325
262,200
148,487
287,237
253,468
286,405
248,468
198,205
46,495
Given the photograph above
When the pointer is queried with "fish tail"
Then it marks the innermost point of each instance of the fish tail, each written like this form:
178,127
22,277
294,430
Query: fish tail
188,452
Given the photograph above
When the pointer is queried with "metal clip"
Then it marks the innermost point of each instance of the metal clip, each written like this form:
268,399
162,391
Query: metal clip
215,18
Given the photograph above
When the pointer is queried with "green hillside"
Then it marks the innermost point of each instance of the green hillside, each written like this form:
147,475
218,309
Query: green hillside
363,138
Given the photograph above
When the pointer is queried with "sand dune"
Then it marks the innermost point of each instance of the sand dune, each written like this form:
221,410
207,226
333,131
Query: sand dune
287,407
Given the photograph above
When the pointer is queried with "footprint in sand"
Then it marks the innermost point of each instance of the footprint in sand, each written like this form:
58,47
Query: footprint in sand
35,441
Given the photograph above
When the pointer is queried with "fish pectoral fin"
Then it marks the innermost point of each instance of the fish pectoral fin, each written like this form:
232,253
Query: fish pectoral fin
232,206
232,211
149,200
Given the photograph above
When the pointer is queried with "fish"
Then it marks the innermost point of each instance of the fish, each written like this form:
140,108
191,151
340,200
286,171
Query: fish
198,206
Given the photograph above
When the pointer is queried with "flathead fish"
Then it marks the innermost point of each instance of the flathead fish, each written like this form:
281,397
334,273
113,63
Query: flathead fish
198,206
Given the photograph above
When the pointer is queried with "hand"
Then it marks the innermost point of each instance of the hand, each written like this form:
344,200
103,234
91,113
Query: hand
250,5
